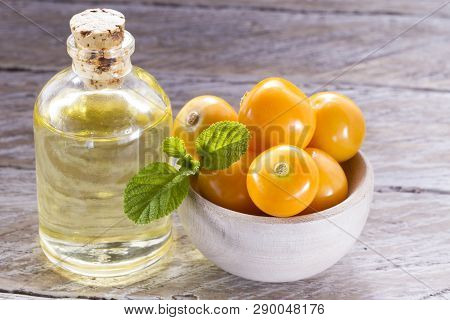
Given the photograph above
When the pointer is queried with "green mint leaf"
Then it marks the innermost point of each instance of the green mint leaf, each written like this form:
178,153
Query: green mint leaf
195,166
154,192
222,144
159,188
174,147
189,163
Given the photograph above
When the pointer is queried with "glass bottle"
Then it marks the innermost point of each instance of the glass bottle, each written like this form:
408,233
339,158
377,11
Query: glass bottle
95,125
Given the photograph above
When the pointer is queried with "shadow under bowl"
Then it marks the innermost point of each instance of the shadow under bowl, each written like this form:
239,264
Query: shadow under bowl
271,249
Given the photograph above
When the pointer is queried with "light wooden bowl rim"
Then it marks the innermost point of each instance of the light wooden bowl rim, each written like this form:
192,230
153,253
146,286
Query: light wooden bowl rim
358,195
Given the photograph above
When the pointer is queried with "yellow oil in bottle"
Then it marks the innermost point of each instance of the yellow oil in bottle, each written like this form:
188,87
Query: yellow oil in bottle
88,145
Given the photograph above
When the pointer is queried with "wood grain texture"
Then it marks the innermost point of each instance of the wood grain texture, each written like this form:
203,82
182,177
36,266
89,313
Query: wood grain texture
9,296
223,47
406,138
280,250
399,228
201,40
362,7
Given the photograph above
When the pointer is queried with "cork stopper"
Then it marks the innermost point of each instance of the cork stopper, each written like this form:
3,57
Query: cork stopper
100,47
98,29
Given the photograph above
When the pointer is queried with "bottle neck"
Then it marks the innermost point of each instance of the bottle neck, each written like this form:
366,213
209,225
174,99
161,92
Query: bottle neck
101,69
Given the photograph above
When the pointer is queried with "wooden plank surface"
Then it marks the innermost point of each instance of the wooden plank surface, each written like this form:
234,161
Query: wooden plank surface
198,40
406,140
349,7
398,228
223,47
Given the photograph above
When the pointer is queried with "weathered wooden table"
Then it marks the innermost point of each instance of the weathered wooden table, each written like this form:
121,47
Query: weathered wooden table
391,56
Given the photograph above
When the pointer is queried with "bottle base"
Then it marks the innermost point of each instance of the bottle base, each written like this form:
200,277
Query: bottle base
110,259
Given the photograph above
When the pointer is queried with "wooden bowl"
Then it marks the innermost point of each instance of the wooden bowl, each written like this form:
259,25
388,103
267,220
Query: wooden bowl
273,249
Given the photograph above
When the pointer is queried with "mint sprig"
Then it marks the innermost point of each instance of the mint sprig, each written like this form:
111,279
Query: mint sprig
189,163
154,192
159,188
222,144
174,147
